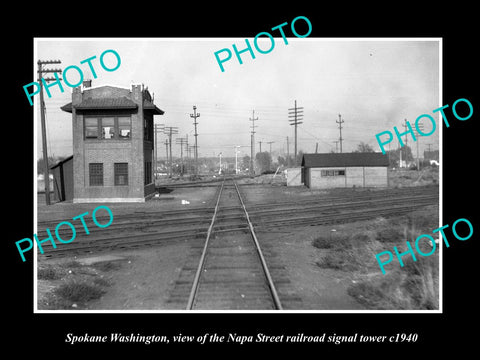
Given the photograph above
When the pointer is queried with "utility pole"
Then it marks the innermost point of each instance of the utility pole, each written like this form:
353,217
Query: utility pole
46,173
252,143
194,116
170,130
260,142
220,166
157,127
340,122
400,153
236,158
288,152
270,143
417,135
181,142
336,146
295,114
405,126
316,148
166,159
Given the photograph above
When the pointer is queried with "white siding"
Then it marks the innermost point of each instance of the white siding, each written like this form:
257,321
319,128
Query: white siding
294,176
354,176
357,176
317,181
376,176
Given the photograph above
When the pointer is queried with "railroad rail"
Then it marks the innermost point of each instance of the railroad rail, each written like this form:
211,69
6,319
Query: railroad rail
149,228
232,272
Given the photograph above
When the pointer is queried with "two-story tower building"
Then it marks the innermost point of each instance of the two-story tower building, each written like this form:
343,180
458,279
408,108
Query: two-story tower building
112,143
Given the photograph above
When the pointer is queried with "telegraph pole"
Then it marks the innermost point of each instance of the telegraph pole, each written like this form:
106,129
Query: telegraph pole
336,145
46,174
181,142
295,114
252,143
157,127
405,126
270,143
166,158
420,127
170,130
340,122
195,116
288,152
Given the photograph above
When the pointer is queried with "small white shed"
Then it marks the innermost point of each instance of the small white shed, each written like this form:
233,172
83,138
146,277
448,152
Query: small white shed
294,176
332,170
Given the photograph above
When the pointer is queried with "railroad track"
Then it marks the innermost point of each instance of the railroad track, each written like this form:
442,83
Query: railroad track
150,228
232,273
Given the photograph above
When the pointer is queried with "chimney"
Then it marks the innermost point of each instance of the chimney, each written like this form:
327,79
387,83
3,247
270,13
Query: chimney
87,83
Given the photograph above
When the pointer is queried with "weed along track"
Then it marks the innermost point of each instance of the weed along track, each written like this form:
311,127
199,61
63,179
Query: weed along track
232,273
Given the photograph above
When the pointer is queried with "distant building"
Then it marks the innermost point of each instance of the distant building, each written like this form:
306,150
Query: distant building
332,170
112,143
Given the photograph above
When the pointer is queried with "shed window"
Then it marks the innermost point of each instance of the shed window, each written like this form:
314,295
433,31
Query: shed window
121,174
332,173
95,171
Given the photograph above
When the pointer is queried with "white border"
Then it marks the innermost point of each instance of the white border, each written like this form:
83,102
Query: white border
279,312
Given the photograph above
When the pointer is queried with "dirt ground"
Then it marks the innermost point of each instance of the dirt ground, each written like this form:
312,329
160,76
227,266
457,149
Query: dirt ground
142,279
196,197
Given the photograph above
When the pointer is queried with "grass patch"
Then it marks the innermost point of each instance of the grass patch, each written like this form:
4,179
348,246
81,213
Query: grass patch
49,273
353,248
107,265
79,284
413,287
79,291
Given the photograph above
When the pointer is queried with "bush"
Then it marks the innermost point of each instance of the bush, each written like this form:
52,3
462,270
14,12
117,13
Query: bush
412,287
79,291
48,273
322,243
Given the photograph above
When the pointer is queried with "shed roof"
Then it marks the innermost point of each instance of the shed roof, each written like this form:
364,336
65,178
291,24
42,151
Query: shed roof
344,159
61,162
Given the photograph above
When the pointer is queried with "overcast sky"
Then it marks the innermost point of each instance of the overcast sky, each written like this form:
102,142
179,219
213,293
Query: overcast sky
374,85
